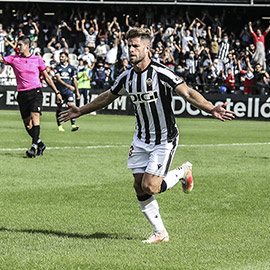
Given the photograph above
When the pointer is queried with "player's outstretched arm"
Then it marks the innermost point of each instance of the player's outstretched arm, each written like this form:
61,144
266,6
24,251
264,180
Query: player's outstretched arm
197,100
100,102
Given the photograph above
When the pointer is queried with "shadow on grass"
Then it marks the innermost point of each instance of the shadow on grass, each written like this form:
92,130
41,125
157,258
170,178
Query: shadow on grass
256,157
97,235
13,154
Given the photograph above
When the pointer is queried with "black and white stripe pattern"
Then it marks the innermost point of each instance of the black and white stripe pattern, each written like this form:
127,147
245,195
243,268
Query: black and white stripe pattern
223,51
2,42
151,94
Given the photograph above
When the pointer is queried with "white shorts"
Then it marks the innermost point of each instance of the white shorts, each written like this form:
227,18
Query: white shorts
151,158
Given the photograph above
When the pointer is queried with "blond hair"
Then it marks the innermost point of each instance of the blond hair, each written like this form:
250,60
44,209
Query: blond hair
139,32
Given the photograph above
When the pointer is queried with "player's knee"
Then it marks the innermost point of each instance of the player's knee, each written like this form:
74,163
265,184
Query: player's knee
150,188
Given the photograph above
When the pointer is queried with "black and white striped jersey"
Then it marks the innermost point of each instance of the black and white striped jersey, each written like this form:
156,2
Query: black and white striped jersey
151,94
223,51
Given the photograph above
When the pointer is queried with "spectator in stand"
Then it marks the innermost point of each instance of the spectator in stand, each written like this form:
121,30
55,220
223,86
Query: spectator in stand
10,41
3,35
35,49
113,30
167,58
156,55
91,34
181,71
100,75
111,55
245,37
191,63
124,66
224,49
101,50
259,41
33,33
230,81
215,40
57,48
248,75
237,48
63,30
88,56
84,82
187,39
260,80
29,25
230,64
203,61
216,74
158,33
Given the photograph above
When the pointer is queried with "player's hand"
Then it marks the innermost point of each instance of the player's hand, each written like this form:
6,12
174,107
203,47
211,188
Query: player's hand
220,112
73,112
59,99
78,96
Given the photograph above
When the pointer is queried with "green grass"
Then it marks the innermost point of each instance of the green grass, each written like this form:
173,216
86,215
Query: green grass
75,208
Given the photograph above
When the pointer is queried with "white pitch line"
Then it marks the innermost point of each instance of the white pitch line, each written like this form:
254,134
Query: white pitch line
115,146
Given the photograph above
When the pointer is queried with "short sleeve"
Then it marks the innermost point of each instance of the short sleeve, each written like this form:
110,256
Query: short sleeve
42,65
8,59
118,87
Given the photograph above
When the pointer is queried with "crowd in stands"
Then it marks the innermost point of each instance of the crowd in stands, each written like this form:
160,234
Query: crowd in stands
209,54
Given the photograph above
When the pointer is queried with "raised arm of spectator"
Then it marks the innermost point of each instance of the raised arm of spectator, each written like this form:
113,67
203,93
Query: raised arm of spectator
250,27
249,65
83,24
65,43
127,21
201,22
192,25
49,45
182,30
10,43
209,32
67,26
110,27
219,33
36,27
177,46
95,25
77,26
197,29
267,30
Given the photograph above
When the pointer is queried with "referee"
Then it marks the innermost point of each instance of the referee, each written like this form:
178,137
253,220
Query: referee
27,69
149,86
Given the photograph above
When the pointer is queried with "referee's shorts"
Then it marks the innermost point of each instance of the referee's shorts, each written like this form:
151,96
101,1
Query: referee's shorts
30,101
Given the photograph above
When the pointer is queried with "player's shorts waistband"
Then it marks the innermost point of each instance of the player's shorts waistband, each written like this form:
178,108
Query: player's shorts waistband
29,91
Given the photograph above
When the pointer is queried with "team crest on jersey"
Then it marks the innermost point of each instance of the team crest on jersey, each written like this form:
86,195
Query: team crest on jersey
177,79
149,81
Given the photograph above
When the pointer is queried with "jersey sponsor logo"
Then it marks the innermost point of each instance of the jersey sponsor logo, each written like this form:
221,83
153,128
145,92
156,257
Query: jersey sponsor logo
143,97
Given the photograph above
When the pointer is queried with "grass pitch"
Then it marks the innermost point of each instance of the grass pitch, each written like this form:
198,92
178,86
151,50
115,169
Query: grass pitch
75,208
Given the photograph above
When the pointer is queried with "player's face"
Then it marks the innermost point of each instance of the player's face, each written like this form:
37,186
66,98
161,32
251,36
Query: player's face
138,50
63,59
